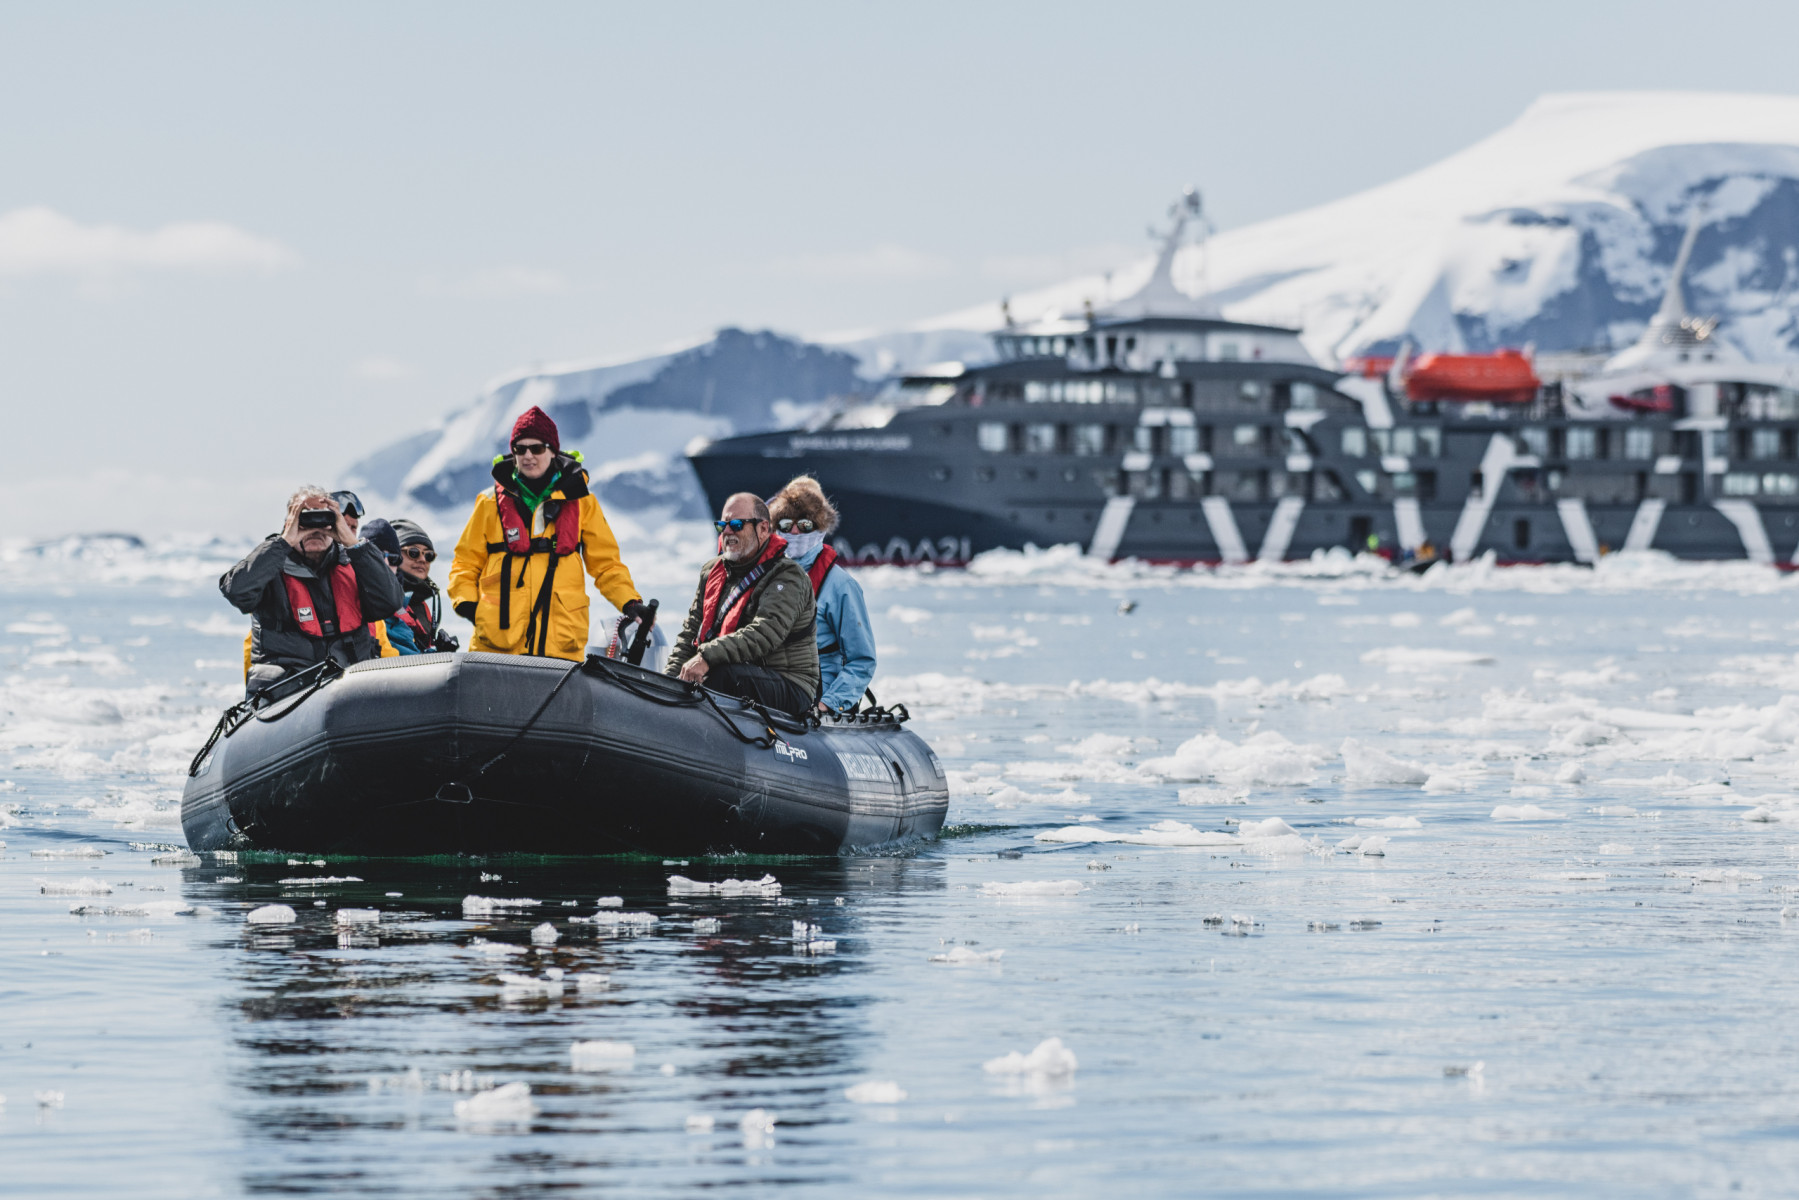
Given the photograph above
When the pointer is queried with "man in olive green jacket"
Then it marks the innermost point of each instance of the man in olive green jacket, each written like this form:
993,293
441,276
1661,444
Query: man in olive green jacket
750,630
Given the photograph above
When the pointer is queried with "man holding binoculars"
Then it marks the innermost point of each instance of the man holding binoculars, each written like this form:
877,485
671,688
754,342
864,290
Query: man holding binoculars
311,590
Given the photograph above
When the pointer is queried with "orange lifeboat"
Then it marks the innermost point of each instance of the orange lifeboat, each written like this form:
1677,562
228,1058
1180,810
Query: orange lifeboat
1502,377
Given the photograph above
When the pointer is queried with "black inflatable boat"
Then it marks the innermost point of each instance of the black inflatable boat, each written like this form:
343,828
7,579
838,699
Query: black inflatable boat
493,753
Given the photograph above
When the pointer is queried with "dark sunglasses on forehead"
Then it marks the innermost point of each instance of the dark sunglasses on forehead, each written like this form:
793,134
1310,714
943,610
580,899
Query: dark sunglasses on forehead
736,524
529,447
413,552
789,525
349,504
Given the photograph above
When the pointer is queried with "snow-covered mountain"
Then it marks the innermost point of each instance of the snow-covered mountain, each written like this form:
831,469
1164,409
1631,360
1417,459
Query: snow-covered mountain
1558,231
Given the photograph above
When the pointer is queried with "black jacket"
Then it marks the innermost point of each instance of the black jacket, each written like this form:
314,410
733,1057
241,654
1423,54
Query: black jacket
255,586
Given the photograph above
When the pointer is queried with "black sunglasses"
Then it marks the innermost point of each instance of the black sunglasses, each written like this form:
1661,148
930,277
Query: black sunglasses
349,504
533,448
414,552
789,525
736,524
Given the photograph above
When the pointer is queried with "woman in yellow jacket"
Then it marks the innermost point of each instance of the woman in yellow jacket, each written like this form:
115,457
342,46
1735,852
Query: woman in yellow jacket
509,576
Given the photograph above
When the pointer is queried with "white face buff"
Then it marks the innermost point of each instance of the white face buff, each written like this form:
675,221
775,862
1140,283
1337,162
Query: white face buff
801,545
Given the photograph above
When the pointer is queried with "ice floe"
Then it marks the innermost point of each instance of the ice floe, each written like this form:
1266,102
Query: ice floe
1523,812
487,906
680,885
1370,765
508,1104
1050,1058
358,916
1034,887
875,1091
962,956
271,914
602,1056
1271,836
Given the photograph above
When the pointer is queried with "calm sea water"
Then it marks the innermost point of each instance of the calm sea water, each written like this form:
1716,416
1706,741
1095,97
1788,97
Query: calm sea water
1570,972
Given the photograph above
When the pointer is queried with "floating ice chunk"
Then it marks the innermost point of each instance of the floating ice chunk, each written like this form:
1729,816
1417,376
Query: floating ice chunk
1194,797
545,935
680,885
758,1128
610,902
815,946
1465,1072
804,931
875,1091
668,1069
1265,758
1388,823
1050,1059
1571,773
1033,887
591,981
1613,810
180,858
602,1056
1524,812
699,1123
529,987
318,880
70,852
487,906
74,887
1398,659
495,949
486,878
1374,846
619,920
1009,796
48,1099
271,914
1615,848
359,916
1366,764
707,925
962,956
1442,781
507,1104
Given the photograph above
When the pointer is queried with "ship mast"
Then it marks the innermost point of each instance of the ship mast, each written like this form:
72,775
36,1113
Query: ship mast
1158,296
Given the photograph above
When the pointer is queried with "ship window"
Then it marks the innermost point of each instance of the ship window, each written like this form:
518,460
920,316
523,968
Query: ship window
1405,443
1246,437
1430,441
1123,390
1717,443
1581,443
1144,439
1405,483
1780,485
1738,483
1069,474
1536,441
1239,485
1251,389
1355,441
1521,532
1039,438
1087,439
1764,403
991,436
1227,351
1036,391
1369,480
1303,396
1146,485
1111,348
1183,439
1639,443
1765,443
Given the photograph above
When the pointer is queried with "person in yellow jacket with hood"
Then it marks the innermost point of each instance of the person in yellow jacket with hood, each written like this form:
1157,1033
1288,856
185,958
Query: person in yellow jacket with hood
510,576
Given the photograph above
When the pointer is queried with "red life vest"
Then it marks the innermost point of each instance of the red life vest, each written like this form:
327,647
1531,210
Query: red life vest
417,626
827,558
715,588
344,594
564,518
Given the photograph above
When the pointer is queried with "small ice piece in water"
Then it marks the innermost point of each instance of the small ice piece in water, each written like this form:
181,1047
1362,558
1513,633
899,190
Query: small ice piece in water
1465,1072
680,885
839,902
1524,812
1388,823
1364,924
74,887
1613,810
1571,773
1033,887
271,914
699,1123
359,916
507,1104
495,949
707,924
545,934
70,852
1050,1059
317,880
962,956
487,906
1323,926
180,858
48,1099
526,987
1374,846
875,1091
486,878
610,902
667,1069
758,1126
318,904
395,895
1096,865
1366,764
592,981
804,932
602,1056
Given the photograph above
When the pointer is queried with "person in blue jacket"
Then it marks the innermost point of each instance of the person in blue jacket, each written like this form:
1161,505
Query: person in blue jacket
846,644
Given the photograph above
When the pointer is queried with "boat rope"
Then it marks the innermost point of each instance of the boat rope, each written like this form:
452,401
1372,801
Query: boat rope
696,696
302,683
526,727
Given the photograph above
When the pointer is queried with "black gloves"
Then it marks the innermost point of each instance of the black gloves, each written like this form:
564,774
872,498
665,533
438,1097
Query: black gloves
446,643
465,609
637,610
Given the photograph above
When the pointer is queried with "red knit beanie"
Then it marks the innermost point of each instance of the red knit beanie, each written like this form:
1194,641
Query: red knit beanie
535,422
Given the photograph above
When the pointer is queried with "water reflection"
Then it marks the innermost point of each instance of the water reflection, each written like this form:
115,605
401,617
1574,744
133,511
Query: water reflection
347,1035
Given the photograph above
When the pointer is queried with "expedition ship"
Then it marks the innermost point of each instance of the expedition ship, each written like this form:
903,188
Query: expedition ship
1153,428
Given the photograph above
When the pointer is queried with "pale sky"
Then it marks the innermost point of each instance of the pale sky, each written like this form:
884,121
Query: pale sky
243,244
